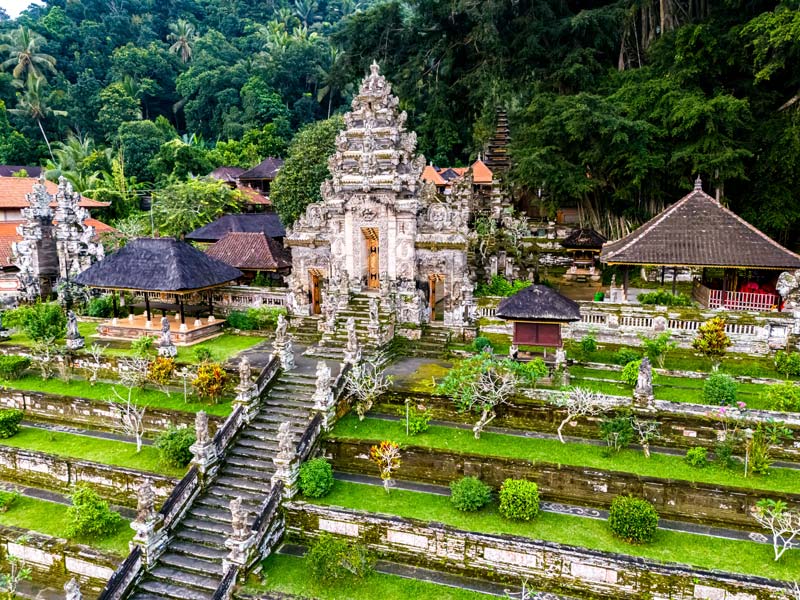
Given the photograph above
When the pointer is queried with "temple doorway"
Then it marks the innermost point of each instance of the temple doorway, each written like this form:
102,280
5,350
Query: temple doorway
373,258
435,292
315,280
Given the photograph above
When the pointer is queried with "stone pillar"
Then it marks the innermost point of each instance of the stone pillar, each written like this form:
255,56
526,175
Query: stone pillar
241,540
323,396
204,453
643,392
72,590
149,536
352,352
246,391
282,345
374,327
561,368
287,465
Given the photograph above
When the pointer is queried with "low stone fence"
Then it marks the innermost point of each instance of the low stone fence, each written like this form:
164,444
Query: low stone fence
585,486
80,412
242,297
54,561
509,559
118,484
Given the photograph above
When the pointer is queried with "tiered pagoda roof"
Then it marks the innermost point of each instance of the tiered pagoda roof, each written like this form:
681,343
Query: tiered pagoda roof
497,158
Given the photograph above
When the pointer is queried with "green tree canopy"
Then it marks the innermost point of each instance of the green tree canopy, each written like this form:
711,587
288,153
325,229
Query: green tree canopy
183,206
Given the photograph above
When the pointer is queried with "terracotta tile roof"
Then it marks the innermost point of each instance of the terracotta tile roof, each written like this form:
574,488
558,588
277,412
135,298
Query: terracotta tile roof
429,173
9,170
538,303
253,196
584,238
266,169
480,172
13,190
251,251
9,235
697,231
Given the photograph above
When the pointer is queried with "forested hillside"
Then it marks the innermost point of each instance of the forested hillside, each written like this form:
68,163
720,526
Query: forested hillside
615,106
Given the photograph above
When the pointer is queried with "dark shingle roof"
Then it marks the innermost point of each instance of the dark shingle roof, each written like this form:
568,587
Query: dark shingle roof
158,264
267,223
584,238
698,231
266,169
251,251
227,174
9,170
538,303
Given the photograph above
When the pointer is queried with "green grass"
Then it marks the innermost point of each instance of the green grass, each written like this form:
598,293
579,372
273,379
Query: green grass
104,392
669,546
109,452
222,348
290,575
554,452
20,338
50,518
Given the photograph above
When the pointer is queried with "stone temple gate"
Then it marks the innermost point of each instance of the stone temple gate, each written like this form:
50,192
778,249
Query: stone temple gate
379,228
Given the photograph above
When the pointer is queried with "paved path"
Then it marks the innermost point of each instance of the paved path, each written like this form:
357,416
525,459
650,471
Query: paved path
56,497
93,433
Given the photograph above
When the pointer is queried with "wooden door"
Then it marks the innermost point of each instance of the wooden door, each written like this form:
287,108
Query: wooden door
432,295
373,259
316,292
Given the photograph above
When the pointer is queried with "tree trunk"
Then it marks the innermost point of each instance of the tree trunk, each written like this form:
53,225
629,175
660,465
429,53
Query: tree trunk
646,449
46,141
330,100
486,418
561,426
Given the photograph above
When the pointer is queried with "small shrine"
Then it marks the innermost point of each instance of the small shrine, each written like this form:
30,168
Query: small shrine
583,245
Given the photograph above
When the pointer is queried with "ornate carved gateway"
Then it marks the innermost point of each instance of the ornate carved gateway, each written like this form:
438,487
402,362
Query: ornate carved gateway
378,228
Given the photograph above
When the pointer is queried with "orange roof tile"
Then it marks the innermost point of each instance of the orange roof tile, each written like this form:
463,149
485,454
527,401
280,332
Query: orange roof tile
13,190
480,172
253,196
430,174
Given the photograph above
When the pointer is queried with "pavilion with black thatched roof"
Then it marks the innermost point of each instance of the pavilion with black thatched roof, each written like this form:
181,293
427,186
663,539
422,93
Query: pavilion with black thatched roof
583,246
537,313
169,274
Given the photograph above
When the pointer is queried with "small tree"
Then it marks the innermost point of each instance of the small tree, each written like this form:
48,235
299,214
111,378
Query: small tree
657,348
366,382
17,572
712,340
40,321
90,515
782,522
44,354
133,374
481,383
646,431
96,352
578,402
387,456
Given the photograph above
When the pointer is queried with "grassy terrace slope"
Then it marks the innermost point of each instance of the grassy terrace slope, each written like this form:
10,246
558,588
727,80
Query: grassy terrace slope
552,451
109,452
668,546
51,519
290,575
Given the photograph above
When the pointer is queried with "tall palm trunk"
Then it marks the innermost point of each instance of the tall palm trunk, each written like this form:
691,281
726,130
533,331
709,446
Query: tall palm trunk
46,141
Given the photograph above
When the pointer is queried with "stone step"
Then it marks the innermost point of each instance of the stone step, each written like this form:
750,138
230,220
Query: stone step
166,589
297,402
223,503
252,453
223,530
191,548
255,443
196,537
192,563
245,484
224,494
249,462
139,595
293,386
249,473
210,513
267,427
185,578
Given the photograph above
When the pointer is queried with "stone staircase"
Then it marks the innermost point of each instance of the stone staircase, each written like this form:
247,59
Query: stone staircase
331,346
305,330
191,566
432,343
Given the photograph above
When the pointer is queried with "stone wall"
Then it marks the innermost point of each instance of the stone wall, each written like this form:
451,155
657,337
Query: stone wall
509,559
117,484
584,486
54,561
80,412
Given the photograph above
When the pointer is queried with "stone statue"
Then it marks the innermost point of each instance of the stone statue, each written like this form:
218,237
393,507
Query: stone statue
239,525
644,384
166,336
788,286
323,379
373,311
245,374
145,501
280,329
72,325
201,428
286,446
352,336
72,590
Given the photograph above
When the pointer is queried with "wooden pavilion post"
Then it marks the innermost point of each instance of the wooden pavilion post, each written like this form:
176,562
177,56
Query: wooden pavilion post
210,303
180,308
147,308
625,283
114,306
674,279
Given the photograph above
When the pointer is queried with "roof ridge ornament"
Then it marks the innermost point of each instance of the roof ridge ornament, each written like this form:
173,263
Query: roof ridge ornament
698,183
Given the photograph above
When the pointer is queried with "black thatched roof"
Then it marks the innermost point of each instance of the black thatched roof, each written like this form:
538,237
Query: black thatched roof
266,169
158,264
538,303
11,170
227,174
581,239
697,231
267,223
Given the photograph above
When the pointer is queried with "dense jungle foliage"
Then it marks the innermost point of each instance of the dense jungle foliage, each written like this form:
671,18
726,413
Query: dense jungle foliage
614,105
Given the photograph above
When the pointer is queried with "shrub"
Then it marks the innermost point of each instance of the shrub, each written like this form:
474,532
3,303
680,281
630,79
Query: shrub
333,559
10,418
13,366
418,419
161,370
41,321
7,499
623,356
617,431
787,363
664,298
255,318
656,348
712,340
599,296
784,396
719,389
469,494
633,519
210,381
101,306
316,478
630,372
202,354
519,499
90,515
588,344
143,345
500,286
480,343
697,457
173,446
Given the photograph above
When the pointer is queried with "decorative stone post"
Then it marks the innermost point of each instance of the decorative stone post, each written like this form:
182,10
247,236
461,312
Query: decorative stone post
72,590
4,333
282,345
329,305
246,391
352,352
75,340
323,396
643,392
165,345
561,368
150,536
241,539
374,327
204,454
287,466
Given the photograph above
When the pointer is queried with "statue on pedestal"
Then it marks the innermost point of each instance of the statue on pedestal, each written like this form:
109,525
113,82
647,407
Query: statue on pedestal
239,517
145,501
74,338
643,392
165,345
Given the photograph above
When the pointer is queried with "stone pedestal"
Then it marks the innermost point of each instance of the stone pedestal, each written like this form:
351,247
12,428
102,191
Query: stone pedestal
204,457
287,470
323,396
247,398
352,356
75,343
374,332
168,351
150,537
72,590
239,554
283,350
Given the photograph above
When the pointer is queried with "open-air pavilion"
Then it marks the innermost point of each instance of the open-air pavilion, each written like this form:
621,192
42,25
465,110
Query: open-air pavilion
738,264
168,276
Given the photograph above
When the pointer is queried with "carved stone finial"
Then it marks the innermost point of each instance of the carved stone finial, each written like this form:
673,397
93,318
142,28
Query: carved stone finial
239,525
698,184
375,68
72,590
281,328
286,446
201,428
145,501
245,374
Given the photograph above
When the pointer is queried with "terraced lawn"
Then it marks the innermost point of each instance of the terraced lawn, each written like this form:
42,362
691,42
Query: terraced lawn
51,519
552,451
668,546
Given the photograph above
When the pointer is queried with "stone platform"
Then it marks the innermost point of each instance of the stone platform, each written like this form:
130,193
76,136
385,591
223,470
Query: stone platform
129,328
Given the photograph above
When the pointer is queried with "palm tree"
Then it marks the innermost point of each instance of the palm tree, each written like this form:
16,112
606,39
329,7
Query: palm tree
330,78
31,103
71,162
22,46
182,35
306,11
